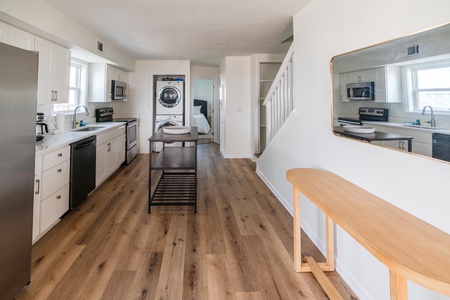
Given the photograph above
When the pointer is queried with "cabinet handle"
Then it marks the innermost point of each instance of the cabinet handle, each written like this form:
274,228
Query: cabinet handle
38,187
58,197
59,154
109,147
59,170
56,95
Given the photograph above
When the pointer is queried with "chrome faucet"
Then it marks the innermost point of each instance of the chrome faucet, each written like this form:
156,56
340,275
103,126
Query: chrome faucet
432,121
74,124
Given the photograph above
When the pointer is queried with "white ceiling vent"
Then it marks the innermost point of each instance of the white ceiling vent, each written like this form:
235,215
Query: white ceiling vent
100,46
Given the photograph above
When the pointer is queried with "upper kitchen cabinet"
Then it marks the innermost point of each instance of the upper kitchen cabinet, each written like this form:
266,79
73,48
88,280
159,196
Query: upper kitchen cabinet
361,76
100,76
53,76
387,84
118,74
16,37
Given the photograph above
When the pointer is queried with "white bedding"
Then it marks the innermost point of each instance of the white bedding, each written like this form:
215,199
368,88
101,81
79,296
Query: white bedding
202,124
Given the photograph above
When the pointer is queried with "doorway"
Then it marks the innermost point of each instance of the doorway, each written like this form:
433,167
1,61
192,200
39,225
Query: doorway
204,93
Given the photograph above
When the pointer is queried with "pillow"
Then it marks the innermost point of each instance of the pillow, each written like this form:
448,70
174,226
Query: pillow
197,110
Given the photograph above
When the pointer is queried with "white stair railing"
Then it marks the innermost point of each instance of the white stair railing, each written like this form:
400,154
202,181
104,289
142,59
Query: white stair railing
279,101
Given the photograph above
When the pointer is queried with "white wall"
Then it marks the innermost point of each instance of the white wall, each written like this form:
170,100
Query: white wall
142,94
416,184
237,103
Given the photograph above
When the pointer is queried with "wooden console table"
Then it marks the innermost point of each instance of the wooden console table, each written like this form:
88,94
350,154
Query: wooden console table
411,248
177,183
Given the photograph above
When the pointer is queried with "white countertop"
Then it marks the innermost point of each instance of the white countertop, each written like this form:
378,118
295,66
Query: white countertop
57,141
411,127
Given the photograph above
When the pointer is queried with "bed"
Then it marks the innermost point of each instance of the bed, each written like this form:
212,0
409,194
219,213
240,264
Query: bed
200,116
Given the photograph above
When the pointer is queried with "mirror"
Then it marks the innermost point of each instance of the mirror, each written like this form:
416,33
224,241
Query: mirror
396,94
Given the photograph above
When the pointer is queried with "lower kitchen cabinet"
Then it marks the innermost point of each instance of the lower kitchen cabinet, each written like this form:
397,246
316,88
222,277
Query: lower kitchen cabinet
110,153
51,190
421,144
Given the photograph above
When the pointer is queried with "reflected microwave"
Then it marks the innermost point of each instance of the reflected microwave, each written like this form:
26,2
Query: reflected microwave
361,91
118,90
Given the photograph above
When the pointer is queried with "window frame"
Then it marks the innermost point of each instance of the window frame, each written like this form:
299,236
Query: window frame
412,84
80,88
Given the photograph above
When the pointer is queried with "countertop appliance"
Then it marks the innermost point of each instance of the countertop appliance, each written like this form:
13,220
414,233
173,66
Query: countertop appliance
82,169
361,91
41,126
441,146
118,90
367,114
105,114
18,98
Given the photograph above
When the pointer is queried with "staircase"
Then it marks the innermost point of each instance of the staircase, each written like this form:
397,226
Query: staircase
279,101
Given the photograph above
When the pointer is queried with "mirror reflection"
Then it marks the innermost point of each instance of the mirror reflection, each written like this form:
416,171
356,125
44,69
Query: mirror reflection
396,94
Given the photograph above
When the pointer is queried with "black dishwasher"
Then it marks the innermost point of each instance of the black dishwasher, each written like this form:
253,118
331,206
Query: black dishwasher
82,169
441,146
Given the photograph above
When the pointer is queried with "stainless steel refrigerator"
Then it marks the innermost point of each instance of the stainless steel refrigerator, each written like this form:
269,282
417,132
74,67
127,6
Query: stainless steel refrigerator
18,96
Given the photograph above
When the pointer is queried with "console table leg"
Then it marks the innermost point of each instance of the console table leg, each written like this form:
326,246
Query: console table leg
330,242
398,285
297,233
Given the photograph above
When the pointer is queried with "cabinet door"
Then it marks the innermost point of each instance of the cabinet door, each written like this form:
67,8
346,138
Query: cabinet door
53,208
100,82
100,165
60,73
343,80
361,76
20,38
111,154
53,76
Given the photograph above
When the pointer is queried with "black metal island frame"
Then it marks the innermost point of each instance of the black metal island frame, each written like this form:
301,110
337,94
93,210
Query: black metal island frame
177,182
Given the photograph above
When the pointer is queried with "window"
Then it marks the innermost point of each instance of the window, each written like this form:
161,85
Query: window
430,85
77,87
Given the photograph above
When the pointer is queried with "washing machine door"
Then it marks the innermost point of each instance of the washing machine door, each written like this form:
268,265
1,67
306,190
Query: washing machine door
169,96
167,124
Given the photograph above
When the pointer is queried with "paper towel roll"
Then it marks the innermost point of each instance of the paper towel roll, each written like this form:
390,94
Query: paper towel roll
60,121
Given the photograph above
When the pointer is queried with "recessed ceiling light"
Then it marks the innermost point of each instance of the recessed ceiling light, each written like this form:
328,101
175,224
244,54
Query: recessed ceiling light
222,43
143,42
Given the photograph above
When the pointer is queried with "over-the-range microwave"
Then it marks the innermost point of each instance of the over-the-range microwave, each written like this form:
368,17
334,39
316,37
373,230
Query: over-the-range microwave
361,91
118,90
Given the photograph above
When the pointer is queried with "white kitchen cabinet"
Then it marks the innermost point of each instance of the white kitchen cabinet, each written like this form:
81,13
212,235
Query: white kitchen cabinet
387,84
37,198
53,76
100,76
118,74
110,153
16,37
421,143
54,188
343,80
100,82
361,76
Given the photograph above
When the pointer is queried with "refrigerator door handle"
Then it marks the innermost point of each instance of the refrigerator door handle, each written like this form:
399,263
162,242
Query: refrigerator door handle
38,187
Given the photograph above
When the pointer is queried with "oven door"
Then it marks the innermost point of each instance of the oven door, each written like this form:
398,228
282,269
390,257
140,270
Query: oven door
131,135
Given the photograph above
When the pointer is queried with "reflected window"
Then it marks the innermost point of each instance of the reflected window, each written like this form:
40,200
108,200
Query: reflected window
431,86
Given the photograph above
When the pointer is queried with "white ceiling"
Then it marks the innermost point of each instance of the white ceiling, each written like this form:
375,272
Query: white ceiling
203,31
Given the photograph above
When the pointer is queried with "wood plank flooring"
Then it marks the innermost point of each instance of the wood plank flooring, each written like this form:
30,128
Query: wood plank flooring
238,245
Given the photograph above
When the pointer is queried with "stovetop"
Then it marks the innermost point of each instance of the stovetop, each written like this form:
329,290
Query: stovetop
368,114
105,114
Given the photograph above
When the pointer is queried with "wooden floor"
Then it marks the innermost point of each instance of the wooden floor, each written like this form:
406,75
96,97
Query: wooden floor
238,245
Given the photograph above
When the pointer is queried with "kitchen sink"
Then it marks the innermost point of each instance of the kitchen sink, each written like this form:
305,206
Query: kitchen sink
90,128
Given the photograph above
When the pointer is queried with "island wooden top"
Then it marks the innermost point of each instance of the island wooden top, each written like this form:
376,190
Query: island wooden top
160,136
405,244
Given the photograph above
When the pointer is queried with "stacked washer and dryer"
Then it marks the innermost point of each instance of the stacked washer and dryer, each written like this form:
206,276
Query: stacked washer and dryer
169,107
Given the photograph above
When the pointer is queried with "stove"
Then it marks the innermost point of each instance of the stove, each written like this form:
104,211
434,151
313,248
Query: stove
367,114
131,150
